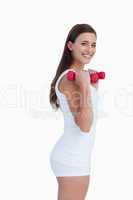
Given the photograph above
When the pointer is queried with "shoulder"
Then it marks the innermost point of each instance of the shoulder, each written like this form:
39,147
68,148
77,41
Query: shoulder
67,86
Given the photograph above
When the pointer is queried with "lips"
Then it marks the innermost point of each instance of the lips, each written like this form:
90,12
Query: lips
86,55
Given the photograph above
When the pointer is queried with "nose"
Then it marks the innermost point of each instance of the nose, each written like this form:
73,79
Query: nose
89,49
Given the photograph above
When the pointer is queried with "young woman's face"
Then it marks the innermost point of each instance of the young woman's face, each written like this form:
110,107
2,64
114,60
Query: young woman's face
83,48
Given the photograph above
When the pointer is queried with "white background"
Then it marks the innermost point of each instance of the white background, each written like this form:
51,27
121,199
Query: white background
32,37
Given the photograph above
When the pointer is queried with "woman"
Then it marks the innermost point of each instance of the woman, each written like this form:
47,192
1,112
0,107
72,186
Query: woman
70,158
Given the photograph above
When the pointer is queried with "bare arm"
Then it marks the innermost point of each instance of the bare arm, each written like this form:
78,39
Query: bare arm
84,116
79,101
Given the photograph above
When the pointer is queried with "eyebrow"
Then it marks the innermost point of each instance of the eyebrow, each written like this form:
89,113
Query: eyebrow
88,42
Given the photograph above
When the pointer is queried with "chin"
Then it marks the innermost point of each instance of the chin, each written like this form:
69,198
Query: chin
86,61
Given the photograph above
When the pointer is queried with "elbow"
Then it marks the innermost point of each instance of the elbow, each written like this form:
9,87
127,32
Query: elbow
85,126
85,129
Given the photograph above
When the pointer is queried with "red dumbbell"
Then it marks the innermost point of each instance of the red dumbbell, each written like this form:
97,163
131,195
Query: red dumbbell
94,77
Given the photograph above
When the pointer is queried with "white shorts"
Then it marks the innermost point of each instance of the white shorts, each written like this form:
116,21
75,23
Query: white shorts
60,169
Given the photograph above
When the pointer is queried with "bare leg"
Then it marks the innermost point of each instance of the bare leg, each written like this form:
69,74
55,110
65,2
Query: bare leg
73,187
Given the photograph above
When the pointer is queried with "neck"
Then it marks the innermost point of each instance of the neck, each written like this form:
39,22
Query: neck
76,67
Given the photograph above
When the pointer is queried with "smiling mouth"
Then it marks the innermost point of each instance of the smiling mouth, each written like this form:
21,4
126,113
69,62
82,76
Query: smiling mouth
86,56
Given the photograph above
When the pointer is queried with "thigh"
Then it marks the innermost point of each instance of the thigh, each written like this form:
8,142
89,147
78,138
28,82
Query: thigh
73,187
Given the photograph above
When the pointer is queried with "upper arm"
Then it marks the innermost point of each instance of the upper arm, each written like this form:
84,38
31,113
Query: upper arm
72,93
74,98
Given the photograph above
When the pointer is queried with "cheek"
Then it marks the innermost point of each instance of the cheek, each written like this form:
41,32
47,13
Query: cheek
77,52
79,48
94,51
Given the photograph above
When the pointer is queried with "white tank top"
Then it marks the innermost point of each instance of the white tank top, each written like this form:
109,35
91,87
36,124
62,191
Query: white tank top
74,146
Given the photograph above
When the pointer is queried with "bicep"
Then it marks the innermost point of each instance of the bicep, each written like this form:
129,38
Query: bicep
73,97
74,100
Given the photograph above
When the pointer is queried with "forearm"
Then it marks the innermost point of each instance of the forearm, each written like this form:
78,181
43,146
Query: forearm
84,115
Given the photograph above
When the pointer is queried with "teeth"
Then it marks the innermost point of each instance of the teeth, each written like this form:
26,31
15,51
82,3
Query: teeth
87,56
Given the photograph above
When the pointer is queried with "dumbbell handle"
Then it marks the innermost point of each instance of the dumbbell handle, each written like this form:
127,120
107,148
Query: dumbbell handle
94,77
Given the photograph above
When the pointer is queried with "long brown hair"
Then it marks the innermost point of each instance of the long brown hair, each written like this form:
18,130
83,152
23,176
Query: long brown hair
66,59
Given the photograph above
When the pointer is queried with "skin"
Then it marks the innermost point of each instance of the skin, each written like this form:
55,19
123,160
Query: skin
73,188
80,48
76,187
85,44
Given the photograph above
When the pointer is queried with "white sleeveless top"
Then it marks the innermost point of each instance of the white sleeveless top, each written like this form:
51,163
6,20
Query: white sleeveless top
74,146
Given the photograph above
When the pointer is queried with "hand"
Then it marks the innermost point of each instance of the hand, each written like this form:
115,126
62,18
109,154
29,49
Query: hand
91,71
82,80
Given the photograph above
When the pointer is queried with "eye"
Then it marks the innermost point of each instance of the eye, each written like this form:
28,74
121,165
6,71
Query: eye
86,44
83,43
94,45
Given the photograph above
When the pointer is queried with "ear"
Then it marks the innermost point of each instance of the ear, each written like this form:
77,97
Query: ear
70,45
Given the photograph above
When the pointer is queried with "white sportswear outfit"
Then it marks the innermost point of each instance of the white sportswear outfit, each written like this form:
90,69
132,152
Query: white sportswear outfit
71,155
